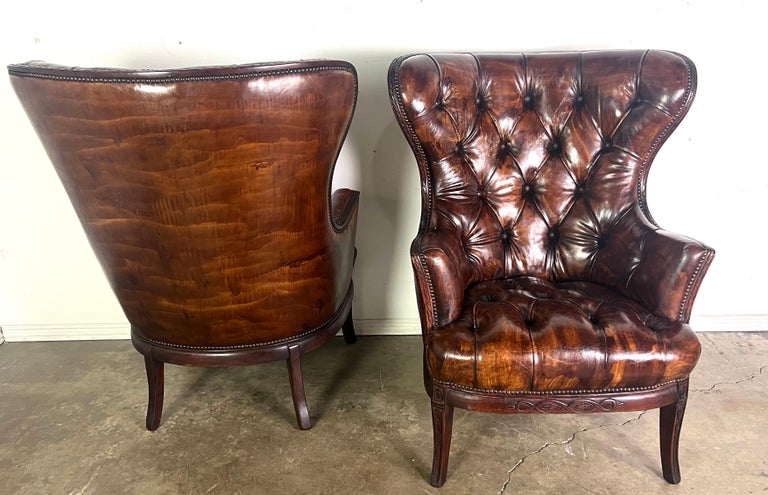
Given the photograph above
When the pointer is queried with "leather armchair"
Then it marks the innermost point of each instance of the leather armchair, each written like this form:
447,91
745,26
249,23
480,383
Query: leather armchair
544,284
205,194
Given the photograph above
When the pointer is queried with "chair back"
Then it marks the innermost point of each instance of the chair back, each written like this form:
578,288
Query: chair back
536,164
204,192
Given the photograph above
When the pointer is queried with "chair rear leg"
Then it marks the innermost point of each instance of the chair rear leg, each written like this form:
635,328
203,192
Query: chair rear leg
348,330
156,382
442,427
297,388
670,422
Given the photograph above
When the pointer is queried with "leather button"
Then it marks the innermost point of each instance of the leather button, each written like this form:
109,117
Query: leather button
528,190
528,101
506,147
579,191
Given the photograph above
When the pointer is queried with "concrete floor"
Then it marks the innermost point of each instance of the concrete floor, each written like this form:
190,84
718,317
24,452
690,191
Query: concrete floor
72,422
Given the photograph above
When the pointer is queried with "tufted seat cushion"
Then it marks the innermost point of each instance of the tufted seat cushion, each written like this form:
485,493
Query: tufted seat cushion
544,284
529,334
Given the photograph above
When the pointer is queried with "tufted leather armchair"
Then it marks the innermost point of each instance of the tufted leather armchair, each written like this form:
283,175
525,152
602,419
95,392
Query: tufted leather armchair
544,284
205,194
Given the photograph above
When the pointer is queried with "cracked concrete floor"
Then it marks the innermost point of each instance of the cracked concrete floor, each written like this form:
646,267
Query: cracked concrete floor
72,422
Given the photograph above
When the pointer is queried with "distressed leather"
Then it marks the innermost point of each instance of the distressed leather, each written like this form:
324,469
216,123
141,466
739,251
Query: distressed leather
538,265
206,192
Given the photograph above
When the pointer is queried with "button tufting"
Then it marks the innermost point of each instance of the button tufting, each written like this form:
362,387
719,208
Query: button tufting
579,191
555,147
481,102
506,147
528,101
459,149
529,322
528,190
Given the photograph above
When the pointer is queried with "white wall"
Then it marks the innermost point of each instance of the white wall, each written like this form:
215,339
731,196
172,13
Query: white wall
710,180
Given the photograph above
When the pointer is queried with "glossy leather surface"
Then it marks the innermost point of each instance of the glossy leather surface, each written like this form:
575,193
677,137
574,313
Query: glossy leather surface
538,265
205,192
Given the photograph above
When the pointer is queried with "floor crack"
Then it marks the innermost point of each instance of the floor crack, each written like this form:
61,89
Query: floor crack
720,384
562,442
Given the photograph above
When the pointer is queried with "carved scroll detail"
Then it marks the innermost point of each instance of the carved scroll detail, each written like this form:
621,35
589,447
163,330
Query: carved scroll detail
438,410
547,405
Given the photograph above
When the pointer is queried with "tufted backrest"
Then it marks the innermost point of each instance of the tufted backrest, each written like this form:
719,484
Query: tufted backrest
205,192
536,164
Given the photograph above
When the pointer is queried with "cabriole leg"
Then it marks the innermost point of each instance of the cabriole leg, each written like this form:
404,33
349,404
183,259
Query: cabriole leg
670,421
297,388
442,426
155,380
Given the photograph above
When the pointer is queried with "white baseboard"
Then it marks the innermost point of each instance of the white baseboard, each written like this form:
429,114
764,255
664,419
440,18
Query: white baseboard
730,323
72,331
363,326
119,331
387,326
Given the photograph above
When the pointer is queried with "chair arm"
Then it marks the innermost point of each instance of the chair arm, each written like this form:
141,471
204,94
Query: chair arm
344,205
669,273
442,275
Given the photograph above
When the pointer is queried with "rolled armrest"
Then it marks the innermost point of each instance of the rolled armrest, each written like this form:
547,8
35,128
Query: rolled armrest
442,276
669,274
344,204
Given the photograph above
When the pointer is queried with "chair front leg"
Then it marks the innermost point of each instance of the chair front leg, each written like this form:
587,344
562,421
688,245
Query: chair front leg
442,427
297,387
156,383
670,422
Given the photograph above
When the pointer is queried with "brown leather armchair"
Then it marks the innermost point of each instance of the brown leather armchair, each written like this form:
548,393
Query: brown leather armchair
544,284
205,194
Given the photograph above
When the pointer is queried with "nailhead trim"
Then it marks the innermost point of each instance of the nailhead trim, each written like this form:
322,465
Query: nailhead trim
241,346
557,392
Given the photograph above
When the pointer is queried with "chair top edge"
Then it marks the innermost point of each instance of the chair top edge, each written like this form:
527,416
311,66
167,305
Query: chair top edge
45,70
617,52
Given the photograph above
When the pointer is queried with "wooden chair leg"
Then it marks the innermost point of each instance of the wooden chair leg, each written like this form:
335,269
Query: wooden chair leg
670,421
348,330
155,380
442,427
297,388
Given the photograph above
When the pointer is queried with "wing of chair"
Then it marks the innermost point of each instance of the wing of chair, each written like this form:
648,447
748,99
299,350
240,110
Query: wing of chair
205,194
544,285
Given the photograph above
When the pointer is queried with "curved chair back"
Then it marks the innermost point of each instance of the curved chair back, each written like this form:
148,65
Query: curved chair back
205,192
206,195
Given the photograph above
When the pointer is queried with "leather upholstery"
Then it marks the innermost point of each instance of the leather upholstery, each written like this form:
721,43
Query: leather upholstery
205,192
206,195
538,265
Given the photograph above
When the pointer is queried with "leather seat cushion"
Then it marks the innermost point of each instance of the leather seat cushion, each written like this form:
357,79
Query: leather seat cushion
529,334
